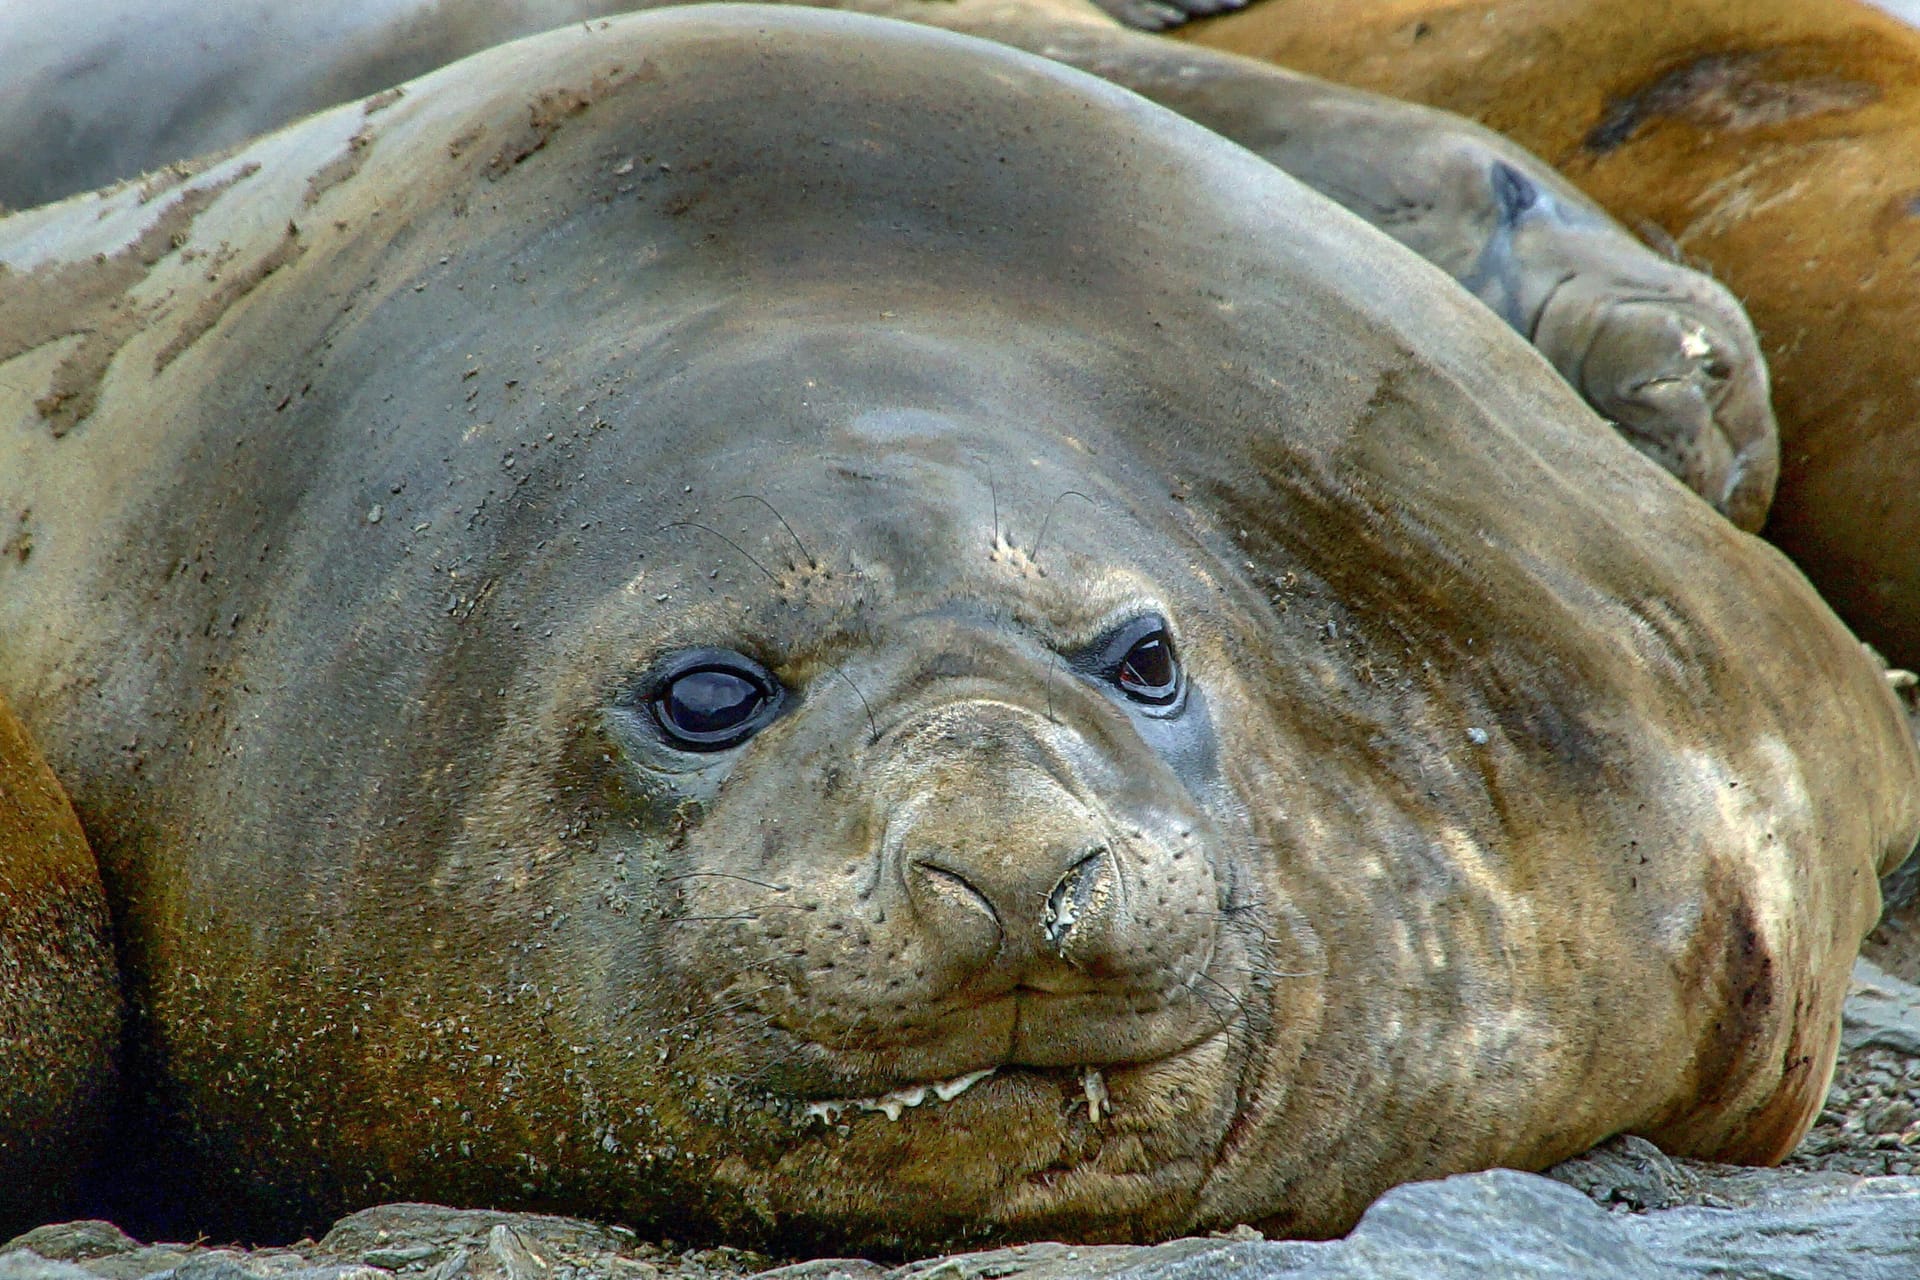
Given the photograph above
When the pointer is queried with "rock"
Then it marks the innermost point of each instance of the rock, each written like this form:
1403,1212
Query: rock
1474,1226
1868,1229
1696,1220
1882,1011
25,1264
425,1234
1631,1172
74,1241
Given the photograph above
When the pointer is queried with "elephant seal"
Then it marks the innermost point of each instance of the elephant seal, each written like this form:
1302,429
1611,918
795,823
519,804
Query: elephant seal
59,992
1775,139
1660,350
670,647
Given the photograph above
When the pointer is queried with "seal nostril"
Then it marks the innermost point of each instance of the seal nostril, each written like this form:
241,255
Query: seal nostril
1079,894
951,886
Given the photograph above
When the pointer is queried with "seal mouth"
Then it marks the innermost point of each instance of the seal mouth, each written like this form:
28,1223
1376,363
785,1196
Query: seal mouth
897,1102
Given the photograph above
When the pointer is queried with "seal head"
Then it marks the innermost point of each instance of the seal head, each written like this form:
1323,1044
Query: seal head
714,622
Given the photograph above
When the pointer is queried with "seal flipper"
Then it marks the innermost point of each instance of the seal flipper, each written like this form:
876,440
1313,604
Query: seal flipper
59,990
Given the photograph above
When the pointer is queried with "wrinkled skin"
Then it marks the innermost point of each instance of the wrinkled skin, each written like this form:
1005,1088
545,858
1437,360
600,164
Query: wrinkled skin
1483,823
1658,349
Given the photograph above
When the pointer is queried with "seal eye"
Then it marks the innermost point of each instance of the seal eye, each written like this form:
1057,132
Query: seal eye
714,701
1149,672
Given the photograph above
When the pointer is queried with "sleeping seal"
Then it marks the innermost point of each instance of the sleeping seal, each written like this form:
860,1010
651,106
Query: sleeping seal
661,644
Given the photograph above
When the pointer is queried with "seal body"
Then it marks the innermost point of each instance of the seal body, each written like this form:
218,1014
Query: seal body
1661,350
1774,140
696,656
59,991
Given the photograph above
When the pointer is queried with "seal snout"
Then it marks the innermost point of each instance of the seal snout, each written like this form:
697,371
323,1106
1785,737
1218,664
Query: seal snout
1682,379
1001,888
1023,876
975,919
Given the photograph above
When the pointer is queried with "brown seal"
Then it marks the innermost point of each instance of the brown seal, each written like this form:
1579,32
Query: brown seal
59,992
774,622
1777,141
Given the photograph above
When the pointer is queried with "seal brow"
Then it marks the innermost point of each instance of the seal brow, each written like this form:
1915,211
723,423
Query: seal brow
805,554
1034,553
695,524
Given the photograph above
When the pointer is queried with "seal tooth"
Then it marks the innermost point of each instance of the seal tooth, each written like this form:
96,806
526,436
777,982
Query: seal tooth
826,1112
948,1090
895,1104
1095,1087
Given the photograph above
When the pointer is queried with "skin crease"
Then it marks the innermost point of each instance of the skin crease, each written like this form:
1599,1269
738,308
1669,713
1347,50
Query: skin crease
1485,829
1775,140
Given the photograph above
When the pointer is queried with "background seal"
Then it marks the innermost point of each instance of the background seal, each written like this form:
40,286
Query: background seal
1775,140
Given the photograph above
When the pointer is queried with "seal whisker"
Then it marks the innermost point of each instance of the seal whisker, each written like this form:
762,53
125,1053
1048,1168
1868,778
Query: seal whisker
1263,971
805,554
747,916
1213,982
1242,917
694,524
1034,553
725,875
873,727
709,1015
1250,914
1053,657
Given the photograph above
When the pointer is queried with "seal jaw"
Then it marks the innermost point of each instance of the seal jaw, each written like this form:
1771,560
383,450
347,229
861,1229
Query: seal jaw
1117,1153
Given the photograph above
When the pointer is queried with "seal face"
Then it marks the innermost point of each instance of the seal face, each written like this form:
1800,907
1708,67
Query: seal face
983,683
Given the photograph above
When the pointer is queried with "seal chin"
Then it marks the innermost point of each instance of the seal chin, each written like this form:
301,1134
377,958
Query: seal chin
1028,1151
